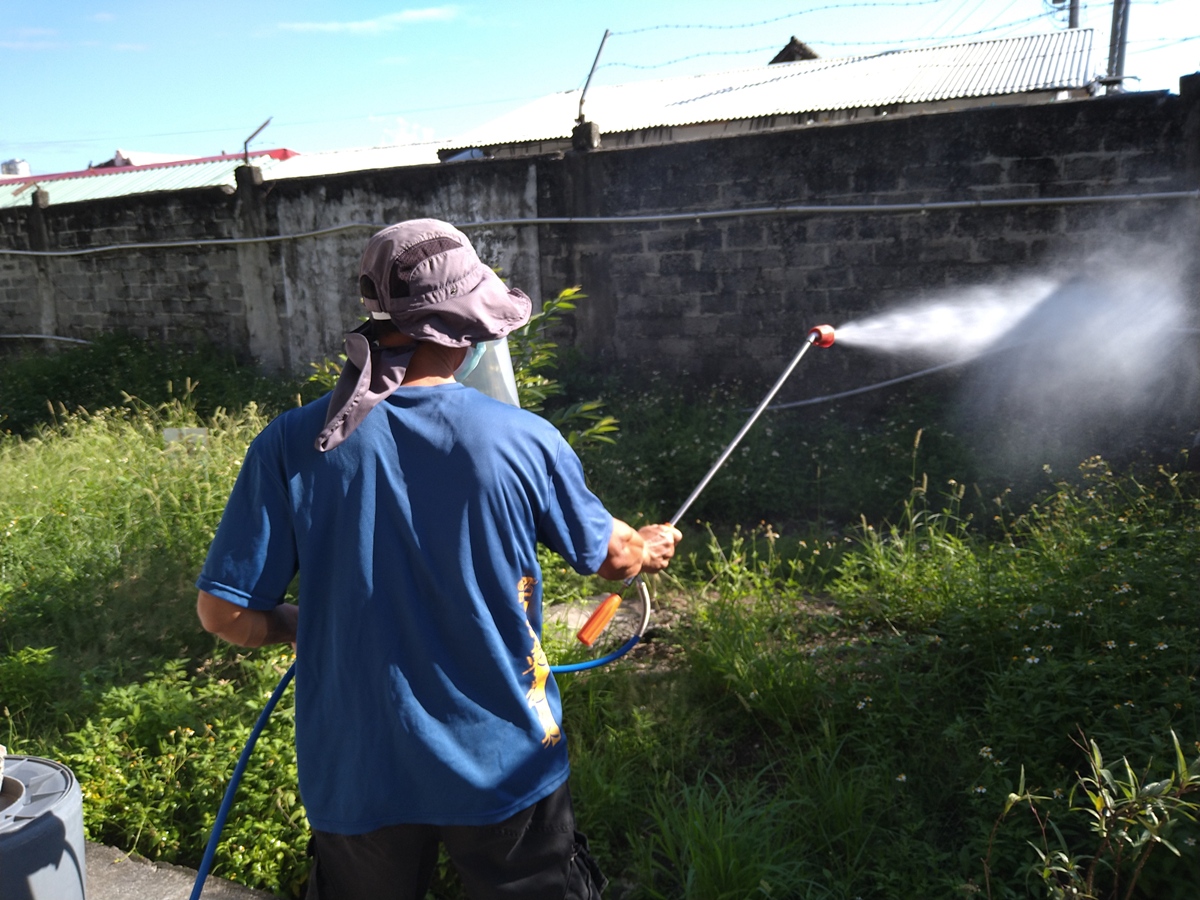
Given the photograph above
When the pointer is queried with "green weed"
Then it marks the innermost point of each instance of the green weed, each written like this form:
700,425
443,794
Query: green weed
820,710
37,387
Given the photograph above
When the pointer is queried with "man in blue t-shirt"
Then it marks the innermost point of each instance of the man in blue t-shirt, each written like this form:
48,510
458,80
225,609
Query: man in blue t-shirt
411,506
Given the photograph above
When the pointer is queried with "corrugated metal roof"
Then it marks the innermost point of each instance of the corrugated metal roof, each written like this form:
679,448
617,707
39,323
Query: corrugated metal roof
95,184
120,181
358,159
1059,61
1046,62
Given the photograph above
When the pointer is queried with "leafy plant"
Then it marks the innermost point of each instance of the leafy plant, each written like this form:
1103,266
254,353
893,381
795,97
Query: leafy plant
535,358
911,571
155,757
1128,816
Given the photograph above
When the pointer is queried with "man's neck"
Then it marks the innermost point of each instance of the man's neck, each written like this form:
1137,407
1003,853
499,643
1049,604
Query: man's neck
433,364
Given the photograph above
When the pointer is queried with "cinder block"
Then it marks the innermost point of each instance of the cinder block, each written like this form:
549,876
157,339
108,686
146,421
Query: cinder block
677,263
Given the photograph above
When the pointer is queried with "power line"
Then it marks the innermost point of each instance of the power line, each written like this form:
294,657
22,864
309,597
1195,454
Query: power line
946,21
692,216
915,40
239,130
1163,42
891,43
671,62
1002,12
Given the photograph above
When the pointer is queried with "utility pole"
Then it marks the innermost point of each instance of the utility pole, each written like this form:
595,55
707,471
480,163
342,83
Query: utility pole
1116,46
1073,12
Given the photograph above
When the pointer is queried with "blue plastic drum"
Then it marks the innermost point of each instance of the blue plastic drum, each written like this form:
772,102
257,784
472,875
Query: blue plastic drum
41,832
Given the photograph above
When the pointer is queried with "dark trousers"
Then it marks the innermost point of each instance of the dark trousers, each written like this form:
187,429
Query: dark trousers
535,855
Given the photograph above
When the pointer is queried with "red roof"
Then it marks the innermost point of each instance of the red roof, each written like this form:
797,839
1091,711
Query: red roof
279,153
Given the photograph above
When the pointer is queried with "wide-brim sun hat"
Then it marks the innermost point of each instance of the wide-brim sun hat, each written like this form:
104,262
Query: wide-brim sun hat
426,277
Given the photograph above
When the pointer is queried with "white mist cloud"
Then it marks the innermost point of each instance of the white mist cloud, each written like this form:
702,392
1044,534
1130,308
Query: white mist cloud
1097,367
960,325
1103,360
378,25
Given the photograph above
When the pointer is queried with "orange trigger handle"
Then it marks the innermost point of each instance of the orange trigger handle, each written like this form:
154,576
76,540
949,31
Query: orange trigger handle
598,621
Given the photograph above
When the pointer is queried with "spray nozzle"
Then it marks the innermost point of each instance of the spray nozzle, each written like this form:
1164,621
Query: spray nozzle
821,336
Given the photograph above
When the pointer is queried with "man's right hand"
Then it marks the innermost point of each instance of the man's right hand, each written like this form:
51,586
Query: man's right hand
649,549
658,546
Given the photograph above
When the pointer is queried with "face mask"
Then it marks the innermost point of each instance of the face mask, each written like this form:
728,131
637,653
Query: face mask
488,369
469,363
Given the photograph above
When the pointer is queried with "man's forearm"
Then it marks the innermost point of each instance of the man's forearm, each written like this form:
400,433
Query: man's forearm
247,627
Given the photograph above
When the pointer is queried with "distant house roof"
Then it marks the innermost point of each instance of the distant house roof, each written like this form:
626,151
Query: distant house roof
124,179
987,69
138,158
793,52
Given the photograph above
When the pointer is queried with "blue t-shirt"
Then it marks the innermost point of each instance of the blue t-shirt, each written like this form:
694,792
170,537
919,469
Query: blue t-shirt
422,692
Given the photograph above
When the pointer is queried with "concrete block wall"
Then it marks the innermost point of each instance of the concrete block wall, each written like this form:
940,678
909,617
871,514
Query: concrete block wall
177,293
725,297
319,276
733,297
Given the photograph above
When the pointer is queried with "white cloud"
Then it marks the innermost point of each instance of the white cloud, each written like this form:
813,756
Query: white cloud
130,48
31,45
380,24
398,130
103,17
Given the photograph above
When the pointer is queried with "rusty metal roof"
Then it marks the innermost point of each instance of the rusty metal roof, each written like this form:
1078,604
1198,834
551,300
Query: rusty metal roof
119,181
1045,62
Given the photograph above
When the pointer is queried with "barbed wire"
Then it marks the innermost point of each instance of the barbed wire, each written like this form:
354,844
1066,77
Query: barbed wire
671,62
803,12
897,43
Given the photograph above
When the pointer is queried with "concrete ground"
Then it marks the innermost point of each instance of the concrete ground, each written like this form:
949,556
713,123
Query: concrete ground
114,875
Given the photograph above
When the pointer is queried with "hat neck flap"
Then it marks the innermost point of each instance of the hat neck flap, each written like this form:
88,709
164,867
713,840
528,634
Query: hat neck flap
370,375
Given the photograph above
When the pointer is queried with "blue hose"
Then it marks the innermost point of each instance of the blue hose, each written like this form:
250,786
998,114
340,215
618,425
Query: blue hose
602,661
227,803
214,837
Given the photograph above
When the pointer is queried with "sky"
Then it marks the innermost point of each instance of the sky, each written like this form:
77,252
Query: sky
82,79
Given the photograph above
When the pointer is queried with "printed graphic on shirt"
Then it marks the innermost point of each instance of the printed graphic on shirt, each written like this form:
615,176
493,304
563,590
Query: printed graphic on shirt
539,667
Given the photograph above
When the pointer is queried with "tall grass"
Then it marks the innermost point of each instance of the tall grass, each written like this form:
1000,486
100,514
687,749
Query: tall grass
37,385
839,707
102,665
104,524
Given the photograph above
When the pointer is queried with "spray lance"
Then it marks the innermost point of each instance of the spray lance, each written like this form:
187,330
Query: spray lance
494,368
820,336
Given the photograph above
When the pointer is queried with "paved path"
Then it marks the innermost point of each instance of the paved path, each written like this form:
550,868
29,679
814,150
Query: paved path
113,875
